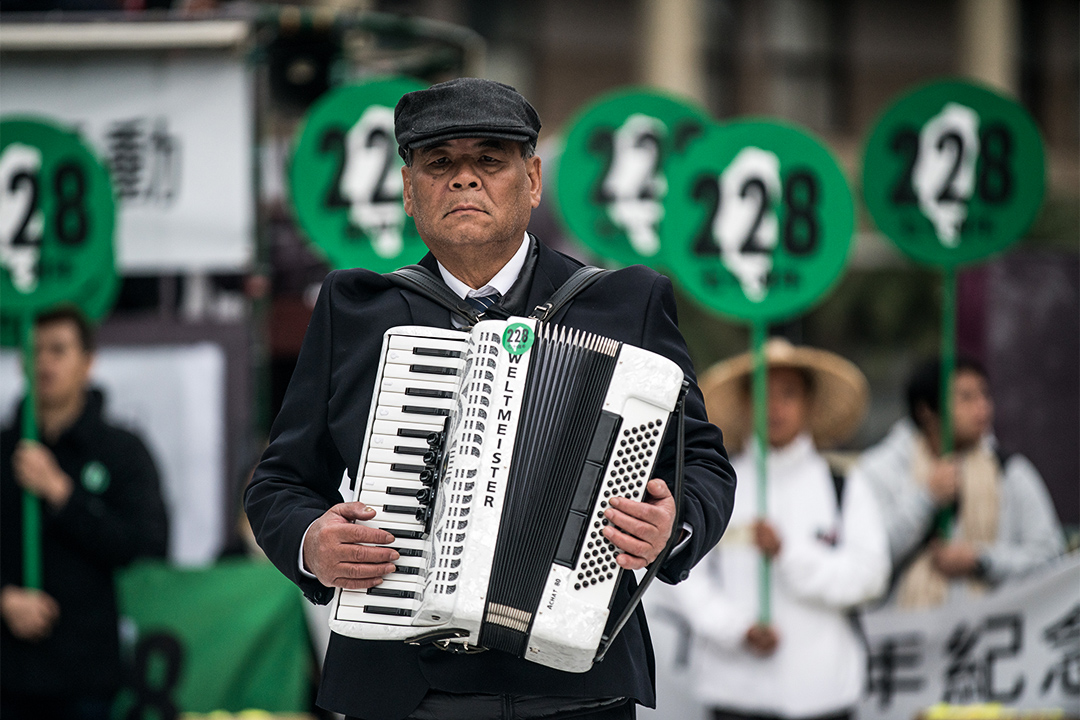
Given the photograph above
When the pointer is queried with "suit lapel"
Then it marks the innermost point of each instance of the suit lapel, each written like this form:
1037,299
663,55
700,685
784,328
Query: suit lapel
424,311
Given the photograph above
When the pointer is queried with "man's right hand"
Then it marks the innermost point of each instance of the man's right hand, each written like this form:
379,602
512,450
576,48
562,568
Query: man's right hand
332,552
944,481
29,614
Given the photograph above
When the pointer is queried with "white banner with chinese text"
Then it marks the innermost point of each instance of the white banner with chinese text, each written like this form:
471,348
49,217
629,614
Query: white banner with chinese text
174,128
1018,647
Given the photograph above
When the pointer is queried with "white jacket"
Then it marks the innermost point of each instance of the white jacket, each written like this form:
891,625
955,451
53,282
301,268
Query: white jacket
1029,533
819,664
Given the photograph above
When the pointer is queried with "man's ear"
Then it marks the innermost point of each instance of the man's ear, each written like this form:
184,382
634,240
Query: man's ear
406,189
536,179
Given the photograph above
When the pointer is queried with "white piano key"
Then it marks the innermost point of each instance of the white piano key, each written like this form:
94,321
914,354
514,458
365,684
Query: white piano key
393,414
388,471
445,370
379,485
358,614
399,400
393,523
393,428
439,383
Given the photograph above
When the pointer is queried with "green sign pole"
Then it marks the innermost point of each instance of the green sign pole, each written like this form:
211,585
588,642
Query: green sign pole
948,369
953,172
757,226
56,247
760,390
31,506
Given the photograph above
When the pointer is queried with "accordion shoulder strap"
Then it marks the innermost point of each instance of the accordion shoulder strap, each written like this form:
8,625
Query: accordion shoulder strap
423,282
581,279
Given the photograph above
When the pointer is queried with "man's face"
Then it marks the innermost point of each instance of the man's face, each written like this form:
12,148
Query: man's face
973,410
789,405
471,192
61,366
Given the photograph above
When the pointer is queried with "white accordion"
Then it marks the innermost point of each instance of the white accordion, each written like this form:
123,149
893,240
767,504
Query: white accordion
491,455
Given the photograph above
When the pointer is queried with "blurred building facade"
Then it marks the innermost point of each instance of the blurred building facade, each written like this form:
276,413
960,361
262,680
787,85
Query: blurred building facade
832,66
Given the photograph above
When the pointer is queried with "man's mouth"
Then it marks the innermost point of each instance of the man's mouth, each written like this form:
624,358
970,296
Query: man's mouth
465,208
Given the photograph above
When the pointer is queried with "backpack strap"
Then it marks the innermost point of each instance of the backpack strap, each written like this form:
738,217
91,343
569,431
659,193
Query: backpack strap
581,279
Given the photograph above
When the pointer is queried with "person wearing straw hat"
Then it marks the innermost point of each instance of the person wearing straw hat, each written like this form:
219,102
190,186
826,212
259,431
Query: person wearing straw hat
825,540
1001,522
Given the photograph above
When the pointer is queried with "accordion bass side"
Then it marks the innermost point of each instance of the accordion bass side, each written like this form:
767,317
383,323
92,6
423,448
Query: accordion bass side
491,455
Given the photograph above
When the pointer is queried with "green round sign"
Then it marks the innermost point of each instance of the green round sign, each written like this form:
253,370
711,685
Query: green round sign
759,220
345,178
612,180
954,172
57,216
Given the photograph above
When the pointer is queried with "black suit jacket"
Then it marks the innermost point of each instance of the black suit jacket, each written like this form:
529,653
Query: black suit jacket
317,436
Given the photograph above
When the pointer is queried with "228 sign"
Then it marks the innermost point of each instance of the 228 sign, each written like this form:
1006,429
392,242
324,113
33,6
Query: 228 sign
760,220
57,216
345,178
954,172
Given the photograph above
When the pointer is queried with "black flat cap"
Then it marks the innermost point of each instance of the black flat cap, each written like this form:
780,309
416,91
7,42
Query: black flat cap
464,108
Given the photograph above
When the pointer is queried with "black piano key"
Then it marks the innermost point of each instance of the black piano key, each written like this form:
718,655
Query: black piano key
408,552
379,610
436,352
401,509
405,534
403,492
421,410
414,433
434,370
427,392
407,570
391,592
409,450
404,468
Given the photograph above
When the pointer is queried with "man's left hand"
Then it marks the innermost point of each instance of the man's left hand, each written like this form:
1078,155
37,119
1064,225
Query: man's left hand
641,529
955,559
37,472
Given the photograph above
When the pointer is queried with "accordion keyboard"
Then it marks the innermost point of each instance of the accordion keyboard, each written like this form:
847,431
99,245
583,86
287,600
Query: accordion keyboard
417,390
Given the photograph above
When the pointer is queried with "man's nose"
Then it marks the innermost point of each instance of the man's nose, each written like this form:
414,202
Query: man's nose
465,177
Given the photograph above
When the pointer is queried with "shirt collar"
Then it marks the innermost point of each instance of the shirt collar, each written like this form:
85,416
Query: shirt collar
502,282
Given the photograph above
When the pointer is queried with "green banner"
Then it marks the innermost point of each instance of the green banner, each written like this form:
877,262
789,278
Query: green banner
611,180
345,178
227,637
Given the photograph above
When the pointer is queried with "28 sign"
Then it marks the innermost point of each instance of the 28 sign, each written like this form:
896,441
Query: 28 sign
345,178
953,172
759,221
57,216
613,175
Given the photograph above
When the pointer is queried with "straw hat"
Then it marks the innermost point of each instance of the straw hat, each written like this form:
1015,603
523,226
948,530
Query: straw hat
839,398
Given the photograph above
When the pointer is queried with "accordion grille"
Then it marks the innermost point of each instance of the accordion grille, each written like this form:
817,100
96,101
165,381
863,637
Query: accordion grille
569,375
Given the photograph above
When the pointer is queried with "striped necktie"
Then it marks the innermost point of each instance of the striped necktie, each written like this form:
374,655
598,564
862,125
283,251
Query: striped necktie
483,302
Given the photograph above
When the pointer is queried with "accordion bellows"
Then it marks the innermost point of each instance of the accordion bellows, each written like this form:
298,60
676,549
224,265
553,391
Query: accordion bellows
491,455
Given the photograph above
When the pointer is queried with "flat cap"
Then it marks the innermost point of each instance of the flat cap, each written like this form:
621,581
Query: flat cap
463,108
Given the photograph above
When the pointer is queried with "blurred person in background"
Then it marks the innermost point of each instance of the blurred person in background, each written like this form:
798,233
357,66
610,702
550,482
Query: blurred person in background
962,522
822,533
101,507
